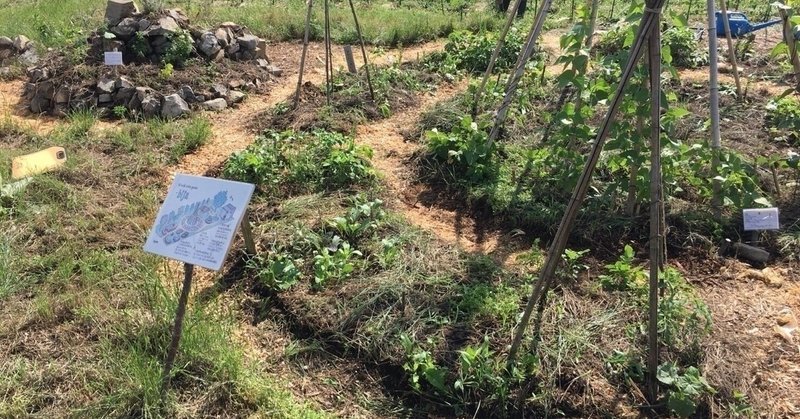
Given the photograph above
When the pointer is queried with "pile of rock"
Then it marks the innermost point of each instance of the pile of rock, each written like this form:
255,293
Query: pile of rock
45,95
20,48
143,37
58,88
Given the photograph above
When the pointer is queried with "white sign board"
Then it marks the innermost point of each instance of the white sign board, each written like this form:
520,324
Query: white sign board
760,219
198,219
113,58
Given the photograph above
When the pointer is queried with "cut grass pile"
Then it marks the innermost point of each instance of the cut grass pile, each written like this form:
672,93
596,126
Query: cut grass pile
86,315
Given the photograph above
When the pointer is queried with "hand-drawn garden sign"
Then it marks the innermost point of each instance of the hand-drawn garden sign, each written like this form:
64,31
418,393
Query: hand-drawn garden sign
196,225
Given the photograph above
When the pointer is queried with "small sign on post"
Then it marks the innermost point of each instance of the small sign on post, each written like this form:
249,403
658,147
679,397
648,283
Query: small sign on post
196,225
113,58
760,219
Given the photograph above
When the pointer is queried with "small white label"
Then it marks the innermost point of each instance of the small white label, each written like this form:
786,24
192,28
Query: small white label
760,219
198,219
113,58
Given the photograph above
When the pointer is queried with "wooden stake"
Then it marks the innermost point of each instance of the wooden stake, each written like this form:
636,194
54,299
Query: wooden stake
303,56
177,330
348,57
247,234
363,50
731,50
653,7
656,207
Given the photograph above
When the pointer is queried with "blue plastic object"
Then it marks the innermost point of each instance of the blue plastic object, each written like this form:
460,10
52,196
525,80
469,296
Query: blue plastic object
740,25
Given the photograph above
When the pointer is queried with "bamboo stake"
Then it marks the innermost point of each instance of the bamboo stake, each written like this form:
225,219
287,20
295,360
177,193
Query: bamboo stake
714,98
630,204
592,23
656,207
303,56
328,64
653,7
519,70
363,50
731,50
788,37
496,53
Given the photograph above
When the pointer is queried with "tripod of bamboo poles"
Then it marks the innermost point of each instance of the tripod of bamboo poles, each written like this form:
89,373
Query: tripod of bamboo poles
519,69
649,33
328,51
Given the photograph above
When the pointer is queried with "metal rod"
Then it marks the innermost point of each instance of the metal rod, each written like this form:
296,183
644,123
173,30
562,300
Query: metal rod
714,99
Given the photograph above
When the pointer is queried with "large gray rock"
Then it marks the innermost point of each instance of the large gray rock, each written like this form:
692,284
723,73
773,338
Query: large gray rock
215,104
126,28
232,26
232,49
124,95
187,93
123,83
235,97
116,10
261,51
42,95
151,106
144,24
29,58
6,42
174,107
105,98
224,36
219,90
178,16
275,71
22,43
208,44
165,26
62,95
248,42
106,85
37,74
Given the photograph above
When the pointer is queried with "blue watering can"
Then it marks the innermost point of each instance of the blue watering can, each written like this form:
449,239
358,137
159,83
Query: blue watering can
740,25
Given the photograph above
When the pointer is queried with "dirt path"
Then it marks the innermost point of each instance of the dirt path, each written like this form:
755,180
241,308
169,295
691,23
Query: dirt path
420,205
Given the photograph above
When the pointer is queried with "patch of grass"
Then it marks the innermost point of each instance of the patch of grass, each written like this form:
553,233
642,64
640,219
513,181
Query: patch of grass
9,279
195,134
97,314
52,24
